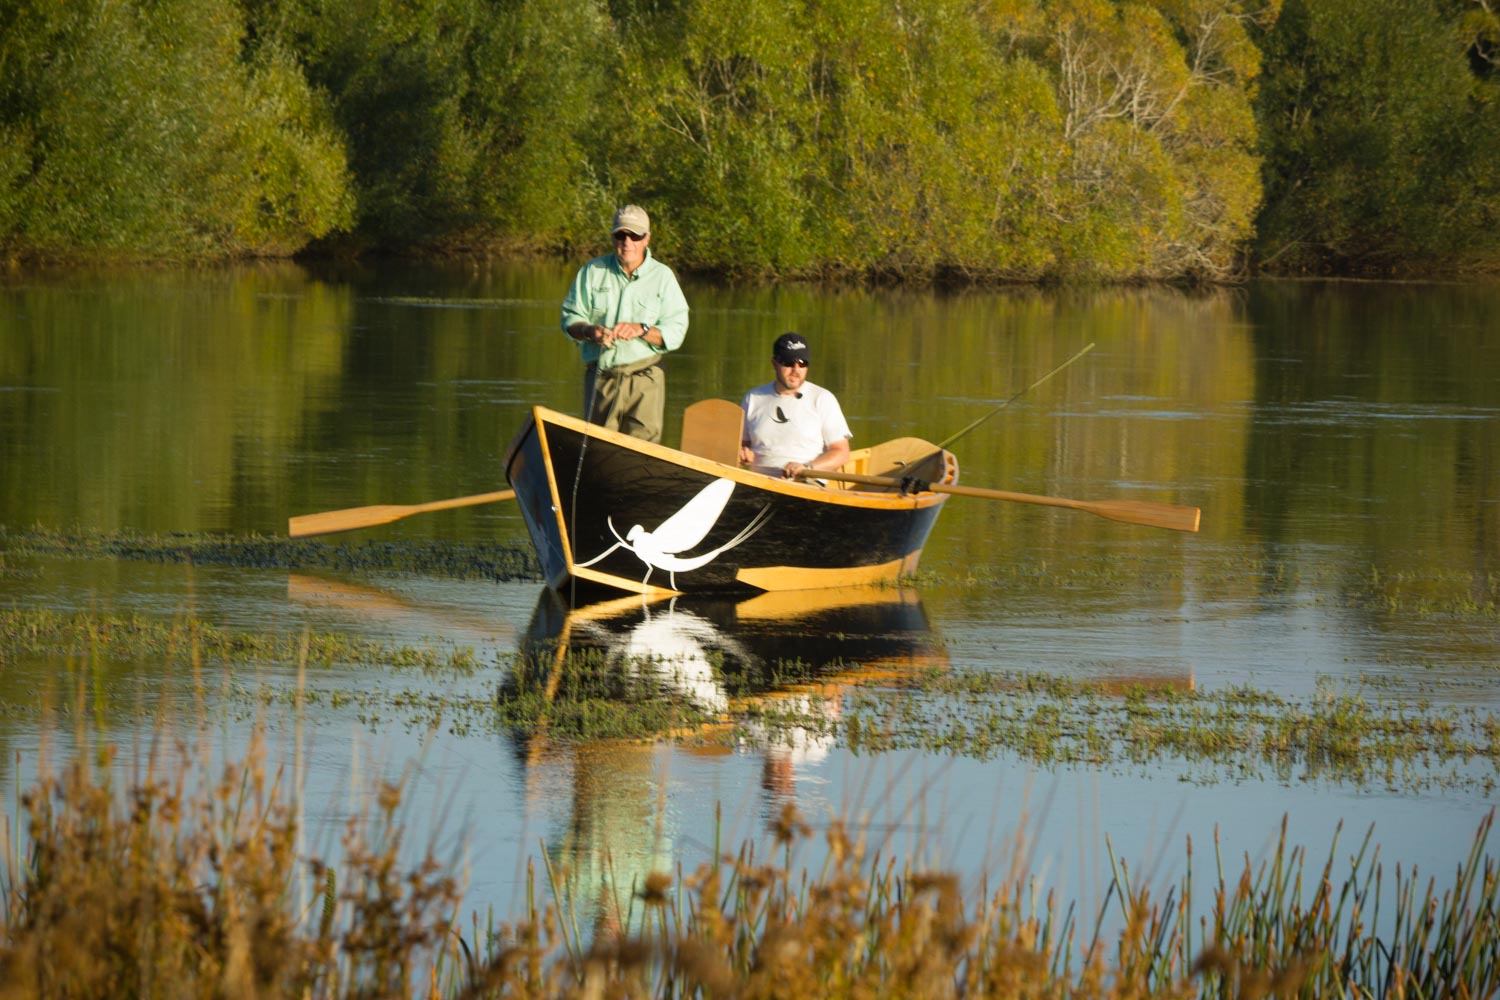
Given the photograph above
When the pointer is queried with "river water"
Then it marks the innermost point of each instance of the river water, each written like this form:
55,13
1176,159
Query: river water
1342,440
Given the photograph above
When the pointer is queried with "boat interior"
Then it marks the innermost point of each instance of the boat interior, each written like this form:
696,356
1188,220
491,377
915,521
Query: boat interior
711,428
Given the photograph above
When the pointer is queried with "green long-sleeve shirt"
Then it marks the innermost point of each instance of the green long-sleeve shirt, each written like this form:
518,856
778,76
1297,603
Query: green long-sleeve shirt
603,294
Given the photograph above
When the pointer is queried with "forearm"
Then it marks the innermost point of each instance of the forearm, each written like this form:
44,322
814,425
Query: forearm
833,456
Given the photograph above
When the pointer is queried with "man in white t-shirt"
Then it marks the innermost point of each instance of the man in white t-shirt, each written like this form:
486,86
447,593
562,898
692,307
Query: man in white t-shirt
791,424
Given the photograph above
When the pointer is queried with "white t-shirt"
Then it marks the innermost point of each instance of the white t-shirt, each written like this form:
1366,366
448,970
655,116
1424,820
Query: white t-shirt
782,429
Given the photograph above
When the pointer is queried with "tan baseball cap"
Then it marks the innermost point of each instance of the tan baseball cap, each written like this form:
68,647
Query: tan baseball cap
632,218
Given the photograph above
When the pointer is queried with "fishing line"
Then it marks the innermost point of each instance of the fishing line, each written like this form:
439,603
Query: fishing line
947,441
901,469
583,447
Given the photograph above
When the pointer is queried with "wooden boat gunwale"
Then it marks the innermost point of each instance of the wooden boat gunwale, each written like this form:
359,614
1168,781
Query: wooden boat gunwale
759,480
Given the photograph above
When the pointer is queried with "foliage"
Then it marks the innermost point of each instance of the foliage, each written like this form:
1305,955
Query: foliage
167,889
139,130
1382,148
1020,140
1017,140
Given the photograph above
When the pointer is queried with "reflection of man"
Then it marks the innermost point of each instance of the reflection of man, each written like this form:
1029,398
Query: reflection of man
791,424
627,310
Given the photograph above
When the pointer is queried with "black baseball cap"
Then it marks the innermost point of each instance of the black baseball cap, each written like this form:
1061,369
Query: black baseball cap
790,347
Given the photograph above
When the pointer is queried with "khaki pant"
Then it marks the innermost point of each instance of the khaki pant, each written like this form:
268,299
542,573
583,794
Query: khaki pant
631,399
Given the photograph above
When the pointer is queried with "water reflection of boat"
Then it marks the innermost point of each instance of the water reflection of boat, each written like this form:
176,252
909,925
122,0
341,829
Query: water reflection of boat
724,656
407,616
612,512
715,651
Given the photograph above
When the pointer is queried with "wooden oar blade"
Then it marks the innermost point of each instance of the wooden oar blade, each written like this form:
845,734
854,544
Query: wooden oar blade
352,518
1152,515
331,521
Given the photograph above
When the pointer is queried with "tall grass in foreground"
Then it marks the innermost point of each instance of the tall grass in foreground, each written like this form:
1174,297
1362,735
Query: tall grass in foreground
185,885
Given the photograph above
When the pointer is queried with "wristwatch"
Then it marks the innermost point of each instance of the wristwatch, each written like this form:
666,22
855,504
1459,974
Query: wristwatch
645,329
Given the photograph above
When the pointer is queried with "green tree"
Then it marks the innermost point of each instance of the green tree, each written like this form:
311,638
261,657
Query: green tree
1382,145
396,76
1160,178
127,127
541,71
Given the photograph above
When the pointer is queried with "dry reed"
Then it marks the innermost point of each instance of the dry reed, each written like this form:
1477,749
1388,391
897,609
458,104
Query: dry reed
182,886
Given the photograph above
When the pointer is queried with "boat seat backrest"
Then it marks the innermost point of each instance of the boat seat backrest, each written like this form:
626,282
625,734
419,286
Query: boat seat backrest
711,429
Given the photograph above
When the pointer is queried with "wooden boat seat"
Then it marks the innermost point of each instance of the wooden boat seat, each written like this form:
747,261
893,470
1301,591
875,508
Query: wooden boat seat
711,429
920,459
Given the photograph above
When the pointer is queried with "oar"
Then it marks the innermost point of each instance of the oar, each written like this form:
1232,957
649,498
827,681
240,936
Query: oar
368,517
1153,515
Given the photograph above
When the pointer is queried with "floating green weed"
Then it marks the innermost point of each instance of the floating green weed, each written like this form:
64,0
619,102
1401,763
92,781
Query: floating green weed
1342,736
1354,735
1440,592
41,632
589,694
457,560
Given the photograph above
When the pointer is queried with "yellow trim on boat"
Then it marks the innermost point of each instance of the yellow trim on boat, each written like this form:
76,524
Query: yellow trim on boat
621,582
807,578
838,497
557,509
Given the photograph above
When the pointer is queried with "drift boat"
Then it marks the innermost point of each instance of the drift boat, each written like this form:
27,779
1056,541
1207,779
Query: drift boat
607,511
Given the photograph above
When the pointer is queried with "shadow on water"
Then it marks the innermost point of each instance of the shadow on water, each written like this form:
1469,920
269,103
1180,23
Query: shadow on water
593,684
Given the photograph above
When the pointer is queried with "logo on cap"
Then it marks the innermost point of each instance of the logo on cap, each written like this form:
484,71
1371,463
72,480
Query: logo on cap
790,346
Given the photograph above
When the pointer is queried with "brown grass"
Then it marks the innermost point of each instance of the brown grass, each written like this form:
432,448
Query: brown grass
182,885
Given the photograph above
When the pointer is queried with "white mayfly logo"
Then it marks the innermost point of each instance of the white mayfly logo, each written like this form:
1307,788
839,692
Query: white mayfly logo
660,549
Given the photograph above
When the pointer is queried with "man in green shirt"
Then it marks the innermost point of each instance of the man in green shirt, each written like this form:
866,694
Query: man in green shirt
626,310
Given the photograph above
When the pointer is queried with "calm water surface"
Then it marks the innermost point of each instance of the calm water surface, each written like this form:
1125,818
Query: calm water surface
1342,440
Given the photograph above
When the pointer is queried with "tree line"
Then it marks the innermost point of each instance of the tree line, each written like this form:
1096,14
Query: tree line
1021,140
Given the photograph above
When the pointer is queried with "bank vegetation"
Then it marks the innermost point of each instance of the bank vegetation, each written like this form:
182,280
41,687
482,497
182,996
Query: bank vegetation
171,878
1016,140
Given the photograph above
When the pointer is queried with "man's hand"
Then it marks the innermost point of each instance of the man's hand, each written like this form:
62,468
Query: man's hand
591,333
629,331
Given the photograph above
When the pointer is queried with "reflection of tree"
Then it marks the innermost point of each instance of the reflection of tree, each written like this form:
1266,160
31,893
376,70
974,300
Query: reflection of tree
142,391
1382,441
801,651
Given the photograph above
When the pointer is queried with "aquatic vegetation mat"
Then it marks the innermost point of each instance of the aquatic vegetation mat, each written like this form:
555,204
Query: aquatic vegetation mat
33,632
1339,734
456,560
1350,734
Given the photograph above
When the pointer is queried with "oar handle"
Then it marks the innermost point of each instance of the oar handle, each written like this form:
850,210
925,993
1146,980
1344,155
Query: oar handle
471,501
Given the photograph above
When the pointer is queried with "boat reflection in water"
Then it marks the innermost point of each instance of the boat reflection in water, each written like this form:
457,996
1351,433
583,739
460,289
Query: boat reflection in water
604,799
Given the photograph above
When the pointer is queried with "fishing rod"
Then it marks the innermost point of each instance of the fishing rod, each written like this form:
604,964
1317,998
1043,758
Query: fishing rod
945,443
900,470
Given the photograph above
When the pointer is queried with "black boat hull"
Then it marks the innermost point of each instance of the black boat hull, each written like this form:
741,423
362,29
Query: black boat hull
610,511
